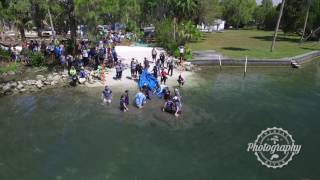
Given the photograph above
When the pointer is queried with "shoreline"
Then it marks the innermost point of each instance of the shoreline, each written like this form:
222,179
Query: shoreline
300,59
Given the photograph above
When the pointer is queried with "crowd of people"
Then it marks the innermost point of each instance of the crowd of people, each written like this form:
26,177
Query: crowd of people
162,69
172,102
101,56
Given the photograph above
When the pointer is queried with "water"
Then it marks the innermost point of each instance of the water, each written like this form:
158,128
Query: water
65,134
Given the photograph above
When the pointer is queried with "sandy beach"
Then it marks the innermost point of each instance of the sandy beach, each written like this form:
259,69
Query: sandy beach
125,54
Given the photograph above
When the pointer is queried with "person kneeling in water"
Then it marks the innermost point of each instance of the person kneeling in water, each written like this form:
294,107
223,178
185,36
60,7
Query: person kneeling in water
168,106
123,104
107,95
140,100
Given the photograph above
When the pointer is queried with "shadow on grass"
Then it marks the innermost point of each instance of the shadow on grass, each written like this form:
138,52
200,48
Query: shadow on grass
235,49
279,38
311,49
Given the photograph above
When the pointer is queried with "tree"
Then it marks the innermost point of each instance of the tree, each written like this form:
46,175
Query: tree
277,26
238,12
262,12
19,12
308,2
208,11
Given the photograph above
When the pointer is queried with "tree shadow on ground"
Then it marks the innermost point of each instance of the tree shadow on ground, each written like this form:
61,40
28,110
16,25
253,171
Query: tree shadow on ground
279,38
235,49
311,49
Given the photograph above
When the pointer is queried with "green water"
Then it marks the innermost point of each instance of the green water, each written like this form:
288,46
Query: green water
65,134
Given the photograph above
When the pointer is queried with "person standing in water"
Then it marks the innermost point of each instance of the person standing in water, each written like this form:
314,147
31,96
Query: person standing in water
180,81
123,105
126,95
178,106
107,95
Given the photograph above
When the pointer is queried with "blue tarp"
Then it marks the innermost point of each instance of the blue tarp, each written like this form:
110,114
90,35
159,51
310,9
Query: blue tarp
149,79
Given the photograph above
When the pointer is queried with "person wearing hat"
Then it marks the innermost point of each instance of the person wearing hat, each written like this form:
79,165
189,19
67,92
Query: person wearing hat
107,95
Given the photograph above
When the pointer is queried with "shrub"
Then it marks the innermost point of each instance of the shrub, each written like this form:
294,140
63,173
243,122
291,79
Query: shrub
37,59
185,32
188,54
4,55
10,67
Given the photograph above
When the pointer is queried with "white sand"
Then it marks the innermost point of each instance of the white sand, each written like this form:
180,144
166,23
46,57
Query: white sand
125,54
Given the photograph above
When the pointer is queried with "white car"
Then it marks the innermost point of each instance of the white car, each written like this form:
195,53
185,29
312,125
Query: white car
47,33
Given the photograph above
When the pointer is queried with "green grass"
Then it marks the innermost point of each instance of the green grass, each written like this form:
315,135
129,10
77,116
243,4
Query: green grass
9,67
253,43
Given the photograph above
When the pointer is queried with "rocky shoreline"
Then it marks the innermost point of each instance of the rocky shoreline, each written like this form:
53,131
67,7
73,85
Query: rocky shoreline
62,79
41,82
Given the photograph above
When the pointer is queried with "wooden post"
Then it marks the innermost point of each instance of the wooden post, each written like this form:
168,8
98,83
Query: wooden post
245,66
220,63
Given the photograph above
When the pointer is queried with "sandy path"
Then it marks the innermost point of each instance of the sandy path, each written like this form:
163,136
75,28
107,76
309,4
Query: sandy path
125,54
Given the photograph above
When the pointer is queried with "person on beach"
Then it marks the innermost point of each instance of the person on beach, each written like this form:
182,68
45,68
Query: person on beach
181,51
82,76
170,66
146,63
162,59
164,77
73,74
119,71
107,95
155,72
133,66
180,81
154,54
139,69
123,105
140,99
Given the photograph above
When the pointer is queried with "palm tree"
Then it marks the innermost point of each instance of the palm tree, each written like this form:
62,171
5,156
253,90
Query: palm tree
277,26
306,19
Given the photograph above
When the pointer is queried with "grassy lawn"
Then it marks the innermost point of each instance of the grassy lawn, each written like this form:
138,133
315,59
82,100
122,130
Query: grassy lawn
253,43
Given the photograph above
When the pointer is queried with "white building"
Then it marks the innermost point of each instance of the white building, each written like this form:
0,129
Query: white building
217,26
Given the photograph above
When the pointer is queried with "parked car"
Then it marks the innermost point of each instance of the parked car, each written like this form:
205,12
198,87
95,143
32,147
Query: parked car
47,33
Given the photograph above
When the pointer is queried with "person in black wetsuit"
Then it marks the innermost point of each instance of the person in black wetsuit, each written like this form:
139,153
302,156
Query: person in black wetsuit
123,105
